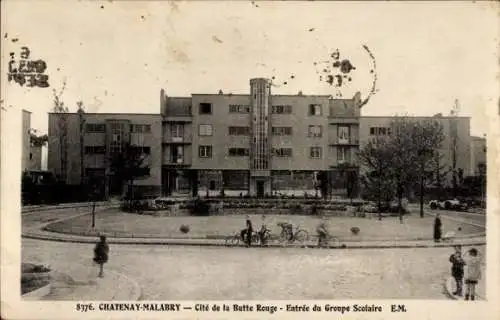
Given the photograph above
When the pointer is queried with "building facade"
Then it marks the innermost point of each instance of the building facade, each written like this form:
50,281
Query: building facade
257,144
455,150
478,155
31,156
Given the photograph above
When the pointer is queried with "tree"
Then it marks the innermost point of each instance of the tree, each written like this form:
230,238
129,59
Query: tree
36,139
398,160
81,111
376,157
62,128
129,165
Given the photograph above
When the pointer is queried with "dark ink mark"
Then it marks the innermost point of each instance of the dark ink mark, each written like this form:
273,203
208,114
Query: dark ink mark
285,83
142,18
330,79
273,77
58,69
336,64
346,66
312,29
5,36
214,38
254,4
315,63
350,79
102,7
371,71
292,76
15,40
336,55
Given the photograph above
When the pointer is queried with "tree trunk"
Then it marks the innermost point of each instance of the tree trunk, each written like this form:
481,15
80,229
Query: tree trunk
379,197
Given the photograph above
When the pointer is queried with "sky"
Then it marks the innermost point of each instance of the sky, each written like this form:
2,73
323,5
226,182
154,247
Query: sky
116,56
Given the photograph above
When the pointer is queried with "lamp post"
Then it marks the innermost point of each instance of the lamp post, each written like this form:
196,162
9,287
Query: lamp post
422,154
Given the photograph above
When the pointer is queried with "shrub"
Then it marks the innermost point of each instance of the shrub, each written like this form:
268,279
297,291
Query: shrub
355,230
184,228
200,208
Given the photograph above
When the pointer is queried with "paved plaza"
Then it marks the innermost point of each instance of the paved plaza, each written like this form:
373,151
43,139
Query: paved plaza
179,272
158,272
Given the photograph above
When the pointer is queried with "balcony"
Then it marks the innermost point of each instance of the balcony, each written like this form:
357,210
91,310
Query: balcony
351,142
186,139
177,162
178,118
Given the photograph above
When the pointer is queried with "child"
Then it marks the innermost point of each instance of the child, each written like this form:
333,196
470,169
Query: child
263,230
473,274
322,232
246,234
101,251
457,269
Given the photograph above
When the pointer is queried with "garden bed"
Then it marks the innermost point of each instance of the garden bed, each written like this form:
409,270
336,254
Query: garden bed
34,277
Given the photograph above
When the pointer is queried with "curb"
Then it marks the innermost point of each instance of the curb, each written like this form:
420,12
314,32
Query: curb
62,206
174,242
137,291
37,294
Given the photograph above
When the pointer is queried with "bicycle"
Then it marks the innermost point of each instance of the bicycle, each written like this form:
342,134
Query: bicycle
327,241
288,236
236,239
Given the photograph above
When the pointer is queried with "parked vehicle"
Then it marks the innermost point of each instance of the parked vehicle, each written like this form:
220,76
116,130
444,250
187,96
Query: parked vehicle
451,204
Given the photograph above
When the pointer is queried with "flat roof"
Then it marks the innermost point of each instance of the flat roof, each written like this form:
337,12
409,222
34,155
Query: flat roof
430,117
110,113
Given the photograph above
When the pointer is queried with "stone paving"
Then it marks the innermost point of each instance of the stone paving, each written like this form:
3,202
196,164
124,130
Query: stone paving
215,273
343,274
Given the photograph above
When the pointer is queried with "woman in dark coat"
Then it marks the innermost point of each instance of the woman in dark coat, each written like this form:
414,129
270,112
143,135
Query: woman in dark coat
101,252
437,228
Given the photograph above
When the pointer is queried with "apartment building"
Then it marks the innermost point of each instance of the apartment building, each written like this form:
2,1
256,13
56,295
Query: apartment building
456,146
31,156
478,155
256,143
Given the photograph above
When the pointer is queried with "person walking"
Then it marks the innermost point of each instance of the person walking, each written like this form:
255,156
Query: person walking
472,274
437,228
246,234
457,269
101,251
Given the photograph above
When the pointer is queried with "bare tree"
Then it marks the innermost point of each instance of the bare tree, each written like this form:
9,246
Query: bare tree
62,128
128,166
376,157
81,111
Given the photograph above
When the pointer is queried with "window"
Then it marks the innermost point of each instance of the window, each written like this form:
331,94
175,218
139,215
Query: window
315,152
282,109
380,131
239,108
205,151
238,152
342,154
140,128
205,130
282,152
95,150
31,156
95,127
343,134
141,150
239,131
315,110
211,185
315,131
205,108
281,131
177,130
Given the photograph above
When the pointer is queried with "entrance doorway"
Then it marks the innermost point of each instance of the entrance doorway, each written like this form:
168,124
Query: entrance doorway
260,189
